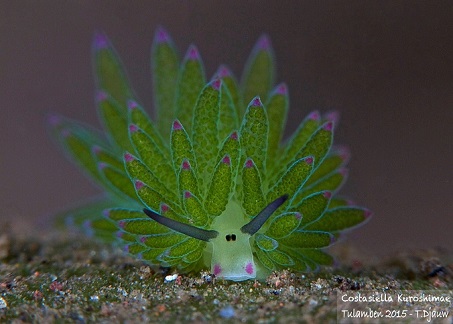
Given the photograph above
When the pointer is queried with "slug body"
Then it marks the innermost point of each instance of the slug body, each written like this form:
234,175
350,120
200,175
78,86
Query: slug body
210,182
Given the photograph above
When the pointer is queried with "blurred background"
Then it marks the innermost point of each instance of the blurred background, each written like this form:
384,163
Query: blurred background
387,66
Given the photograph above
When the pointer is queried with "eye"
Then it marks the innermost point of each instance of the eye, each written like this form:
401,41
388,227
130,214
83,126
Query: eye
230,237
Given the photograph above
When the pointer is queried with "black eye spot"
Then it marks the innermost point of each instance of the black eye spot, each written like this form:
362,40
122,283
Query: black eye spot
230,237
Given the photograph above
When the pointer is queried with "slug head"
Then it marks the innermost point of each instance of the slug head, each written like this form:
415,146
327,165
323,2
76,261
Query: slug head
232,255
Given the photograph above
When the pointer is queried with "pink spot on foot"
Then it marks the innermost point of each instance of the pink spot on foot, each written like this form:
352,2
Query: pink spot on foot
256,102
128,157
177,125
328,126
143,239
249,163
217,269
234,136
249,268
309,160
192,53
226,160
216,84
133,128
139,184
121,224
119,234
187,194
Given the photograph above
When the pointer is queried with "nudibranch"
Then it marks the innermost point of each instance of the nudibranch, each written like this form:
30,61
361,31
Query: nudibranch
209,182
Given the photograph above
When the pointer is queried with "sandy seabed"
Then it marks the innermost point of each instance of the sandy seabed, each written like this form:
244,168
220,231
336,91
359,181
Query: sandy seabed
65,278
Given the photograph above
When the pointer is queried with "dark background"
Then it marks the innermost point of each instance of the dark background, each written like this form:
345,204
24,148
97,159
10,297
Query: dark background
386,65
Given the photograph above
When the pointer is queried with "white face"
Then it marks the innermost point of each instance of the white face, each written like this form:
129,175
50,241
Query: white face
232,256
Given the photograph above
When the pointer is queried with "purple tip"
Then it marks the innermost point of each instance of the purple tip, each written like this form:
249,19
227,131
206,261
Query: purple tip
106,213
327,194
192,53
121,224
343,172
100,41
234,136
177,125
119,234
139,185
126,248
332,239
133,128
314,115
102,165
256,101
101,96
216,84
367,213
187,194
162,35
65,133
143,239
164,208
249,163
309,160
128,157
333,116
351,202
263,43
328,126
131,104
226,160
281,89
343,151
54,120
96,150
223,72
298,215
185,165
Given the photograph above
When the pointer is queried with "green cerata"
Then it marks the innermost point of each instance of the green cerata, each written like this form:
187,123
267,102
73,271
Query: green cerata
209,182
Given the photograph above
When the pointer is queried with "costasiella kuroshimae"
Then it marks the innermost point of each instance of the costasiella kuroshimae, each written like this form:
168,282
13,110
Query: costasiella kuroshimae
210,182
